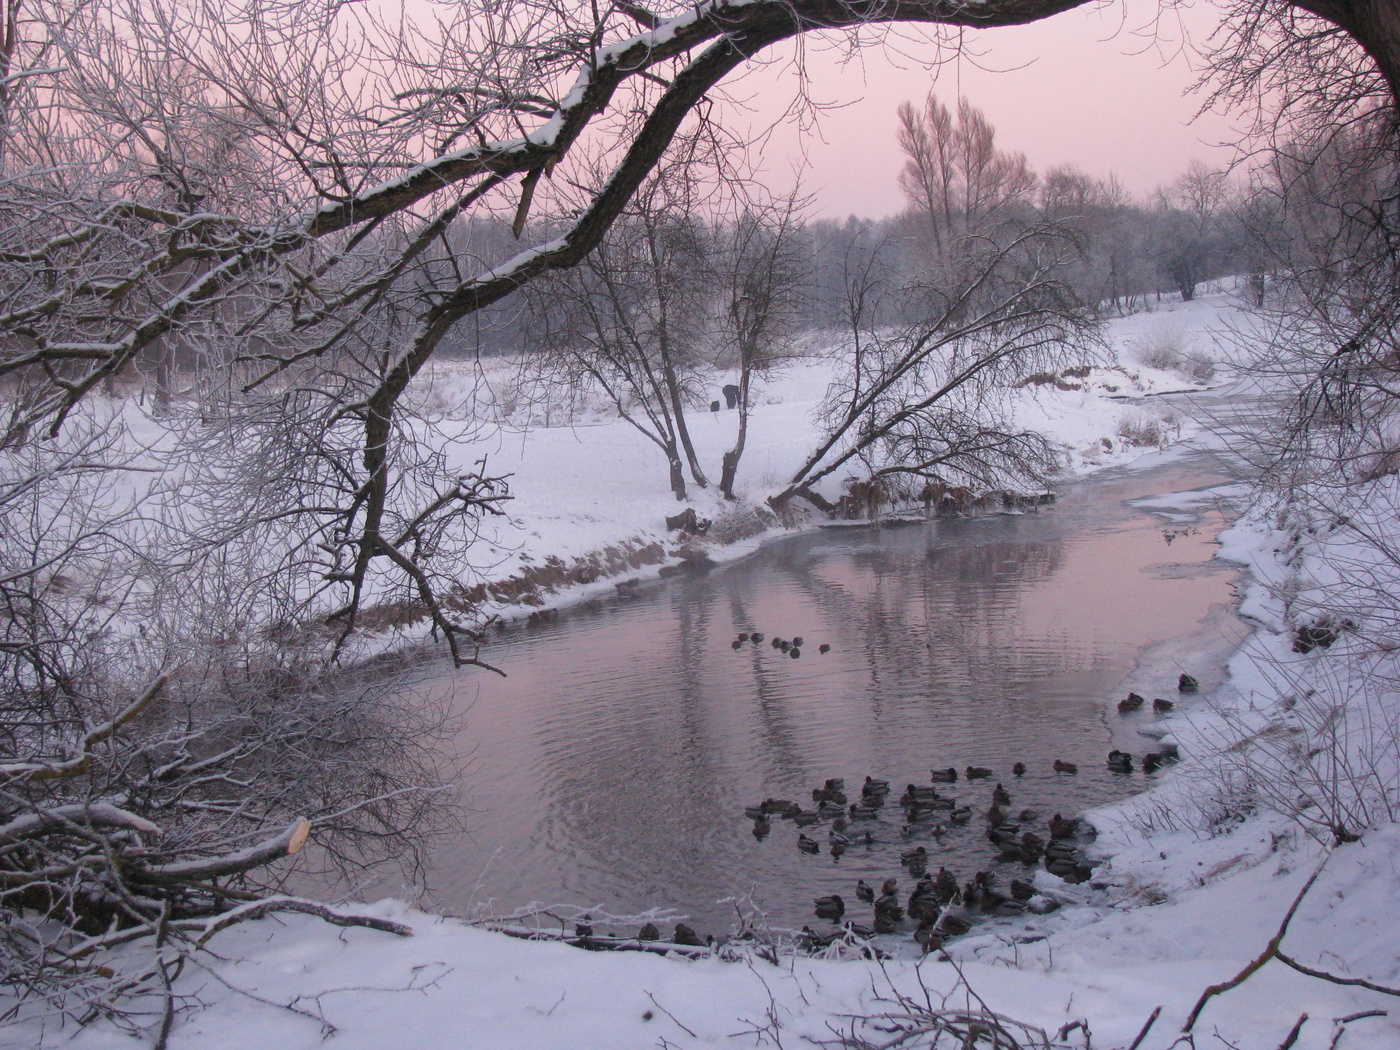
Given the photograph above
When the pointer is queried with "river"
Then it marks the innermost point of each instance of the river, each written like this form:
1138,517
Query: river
612,767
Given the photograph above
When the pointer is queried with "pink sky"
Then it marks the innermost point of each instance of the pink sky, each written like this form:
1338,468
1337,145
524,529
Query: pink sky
1080,87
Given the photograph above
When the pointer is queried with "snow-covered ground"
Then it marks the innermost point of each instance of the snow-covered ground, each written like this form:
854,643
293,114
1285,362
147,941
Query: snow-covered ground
594,481
1193,881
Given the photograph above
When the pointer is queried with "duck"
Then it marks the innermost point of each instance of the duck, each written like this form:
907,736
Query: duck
761,828
889,887
1027,816
685,935
919,793
1019,769
887,907
1120,761
834,783
830,810
972,892
1151,762
945,886
649,932
795,653
1061,766
797,641
1162,706
840,824
977,773
1006,839
923,902
806,845
944,776
824,648
829,794
961,815
785,646
951,924
777,643
996,815
885,923
1032,847
805,819
756,637
837,839
743,636
915,858
1022,890
755,812
1187,684
736,644
831,907
863,812
1060,828
838,849
1000,795
915,808
864,892
875,787
784,807
1132,702
992,902
927,936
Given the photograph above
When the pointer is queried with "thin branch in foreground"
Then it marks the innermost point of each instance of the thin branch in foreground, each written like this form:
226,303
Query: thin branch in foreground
1273,951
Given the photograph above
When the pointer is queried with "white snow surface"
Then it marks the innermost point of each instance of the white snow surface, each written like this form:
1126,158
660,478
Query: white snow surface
1190,887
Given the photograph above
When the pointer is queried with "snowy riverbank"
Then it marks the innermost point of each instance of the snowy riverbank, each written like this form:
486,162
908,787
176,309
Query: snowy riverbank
1194,878
589,496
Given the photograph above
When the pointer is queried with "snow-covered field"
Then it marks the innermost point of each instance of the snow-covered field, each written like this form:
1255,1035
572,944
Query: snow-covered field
595,481
1193,881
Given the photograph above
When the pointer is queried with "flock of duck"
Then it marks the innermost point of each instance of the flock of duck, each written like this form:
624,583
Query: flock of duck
792,647
940,905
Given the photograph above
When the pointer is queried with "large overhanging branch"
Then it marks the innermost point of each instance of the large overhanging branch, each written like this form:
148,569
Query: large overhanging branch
733,32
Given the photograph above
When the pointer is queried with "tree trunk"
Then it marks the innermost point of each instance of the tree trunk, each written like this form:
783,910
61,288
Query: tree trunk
163,382
1375,25
729,465
677,474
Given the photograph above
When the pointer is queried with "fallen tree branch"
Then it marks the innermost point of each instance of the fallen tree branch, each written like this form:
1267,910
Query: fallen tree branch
79,763
257,909
283,844
1293,1033
1342,1022
1147,1027
75,816
1270,951
1323,975
1273,951
597,943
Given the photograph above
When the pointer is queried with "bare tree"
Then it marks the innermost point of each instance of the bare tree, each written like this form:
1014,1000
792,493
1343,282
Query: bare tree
957,181
1192,242
149,775
762,279
631,320
922,403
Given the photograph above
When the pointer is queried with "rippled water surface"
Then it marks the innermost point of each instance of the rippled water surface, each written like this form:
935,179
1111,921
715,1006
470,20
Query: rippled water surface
612,767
